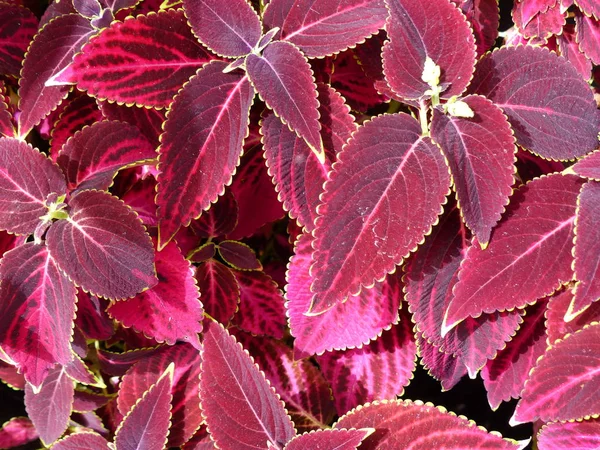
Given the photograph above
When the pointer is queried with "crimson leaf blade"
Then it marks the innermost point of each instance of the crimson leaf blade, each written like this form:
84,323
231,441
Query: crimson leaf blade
82,441
564,436
18,25
219,290
329,439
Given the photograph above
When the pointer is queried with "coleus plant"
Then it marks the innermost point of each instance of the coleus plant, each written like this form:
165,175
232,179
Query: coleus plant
213,153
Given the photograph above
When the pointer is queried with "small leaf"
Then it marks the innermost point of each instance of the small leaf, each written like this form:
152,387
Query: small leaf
240,408
7,127
147,423
229,29
82,441
588,167
566,436
148,120
329,440
238,255
589,7
321,28
219,220
18,25
556,327
588,36
27,178
569,49
103,247
284,80
199,140
16,432
219,290
444,367
555,118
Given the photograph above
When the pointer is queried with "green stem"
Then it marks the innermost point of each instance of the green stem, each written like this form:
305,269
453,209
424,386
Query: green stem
423,108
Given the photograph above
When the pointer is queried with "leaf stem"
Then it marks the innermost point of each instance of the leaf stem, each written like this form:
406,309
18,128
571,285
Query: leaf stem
423,108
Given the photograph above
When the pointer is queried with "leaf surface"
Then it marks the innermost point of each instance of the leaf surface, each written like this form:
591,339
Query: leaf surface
219,220
556,327
17,431
588,36
565,436
238,255
148,120
92,318
444,367
590,7
7,127
569,49
589,166
18,25
219,290
82,441
328,440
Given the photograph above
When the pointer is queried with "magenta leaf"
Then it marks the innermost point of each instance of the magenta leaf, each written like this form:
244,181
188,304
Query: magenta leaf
505,375
483,15
284,80
219,290
261,309
148,120
92,318
377,371
406,424
147,423
589,7
51,51
566,436
444,367
420,29
37,306
229,29
569,49
92,157
117,364
203,253
78,371
88,401
540,22
556,327
7,127
16,432
10,376
320,28
140,198
588,167
185,411
18,25
329,440
103,246
554,117
144,60
27,178
529,256
238,255
384,195
241,409
169,311
481,155
219,220
588,36
201,145
85,440
566,374
50,407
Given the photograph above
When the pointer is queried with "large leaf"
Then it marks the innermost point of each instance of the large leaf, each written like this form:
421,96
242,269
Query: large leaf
421,29
403,424
144,60
229,29
347,325
329,440
567,436
384,195
82,441
320,28
146,426
529,256
50,408
553,117
18,25
201,145
169,311
240,408
37,306
103,247
27,178
564,385
481,154
284,80
50,52
17,431
92,157
219,290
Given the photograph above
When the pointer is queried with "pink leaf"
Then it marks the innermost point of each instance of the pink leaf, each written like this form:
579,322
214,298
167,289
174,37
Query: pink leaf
539,23
556,326
92,318
384,195
240,408
16,432
569,49
148,120
103,246
37,306
484,17
238,255
434,29
328,440
320,28
589,7
554,117
7,127
82,441
219,290
588,36
201,145
566,436
588,167
18,25
444,367
88,401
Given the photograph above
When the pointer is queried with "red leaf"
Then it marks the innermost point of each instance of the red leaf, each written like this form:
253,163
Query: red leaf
539,23
220,219
103,246
284,80
116,364
589,7
169,311
529,256
37,306
239,406
444,367
51,51
405,424
554,117
17,28
588,167
10,375
82,441
27,178
7,127
148,120
238,255
147,423
566,436
49,408
566,374
92,318
229,29
88,401
420,29
17,431
384,195
588,36
484,17
144,60
347,325
201,145
569,49
481,162
219,290
320,28
140,198
92,157
328,440
556,326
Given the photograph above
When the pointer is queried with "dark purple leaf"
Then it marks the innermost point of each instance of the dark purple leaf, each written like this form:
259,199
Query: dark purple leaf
238,255
569,49
538,24
484,17
16,432
7,127
203,253
85,440
92,318
219,290
140,198
117,364
588,167
329,440
220,219
88,401
148,120
18,25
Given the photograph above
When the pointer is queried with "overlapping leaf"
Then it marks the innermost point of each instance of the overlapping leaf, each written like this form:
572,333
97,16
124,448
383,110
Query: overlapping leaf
219,290
556,327
590,7
92,318
484,17
117,364
7,127
569,49
321,28
148,120
18,25
103,247
555,117
384,195
566,436
201,145
588,167
85,440
529,255
87,400
444,367
140,198
239,255
219,220
17,431
538,20
588,36
328,439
